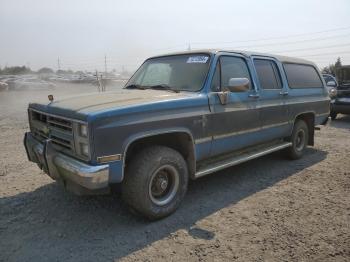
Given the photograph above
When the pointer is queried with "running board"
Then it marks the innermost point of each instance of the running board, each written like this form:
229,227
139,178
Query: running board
240,158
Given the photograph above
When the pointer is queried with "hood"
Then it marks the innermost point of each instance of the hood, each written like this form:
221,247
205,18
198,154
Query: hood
83,105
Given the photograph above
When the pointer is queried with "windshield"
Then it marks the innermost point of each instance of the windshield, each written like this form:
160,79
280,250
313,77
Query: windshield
178,72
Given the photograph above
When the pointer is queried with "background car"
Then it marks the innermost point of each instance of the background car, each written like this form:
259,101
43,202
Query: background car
331,81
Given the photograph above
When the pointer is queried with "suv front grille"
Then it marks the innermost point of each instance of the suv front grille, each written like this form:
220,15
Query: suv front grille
58,129
60,123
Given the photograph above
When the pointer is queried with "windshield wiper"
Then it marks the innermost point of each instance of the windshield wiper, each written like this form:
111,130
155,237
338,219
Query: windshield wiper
133,86
163,87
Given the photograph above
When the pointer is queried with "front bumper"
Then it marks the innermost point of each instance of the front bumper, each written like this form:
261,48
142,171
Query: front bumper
65,169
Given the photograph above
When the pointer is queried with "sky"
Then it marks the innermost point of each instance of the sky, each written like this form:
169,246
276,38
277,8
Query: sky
81,33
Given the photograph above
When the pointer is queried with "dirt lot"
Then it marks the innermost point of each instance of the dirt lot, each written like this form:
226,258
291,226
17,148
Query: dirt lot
270,209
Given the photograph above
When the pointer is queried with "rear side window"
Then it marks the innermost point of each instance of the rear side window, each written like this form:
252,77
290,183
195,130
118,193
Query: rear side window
269,77
302,76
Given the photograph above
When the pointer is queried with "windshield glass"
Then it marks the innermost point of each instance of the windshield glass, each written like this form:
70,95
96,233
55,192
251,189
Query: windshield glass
178,72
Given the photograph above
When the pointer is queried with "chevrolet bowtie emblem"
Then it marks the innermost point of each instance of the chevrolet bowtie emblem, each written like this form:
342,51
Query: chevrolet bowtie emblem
46,130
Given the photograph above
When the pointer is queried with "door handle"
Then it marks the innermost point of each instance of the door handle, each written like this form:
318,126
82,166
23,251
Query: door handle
254,95
283,93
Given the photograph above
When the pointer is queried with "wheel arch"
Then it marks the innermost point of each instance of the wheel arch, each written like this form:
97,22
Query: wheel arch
309,118
180,140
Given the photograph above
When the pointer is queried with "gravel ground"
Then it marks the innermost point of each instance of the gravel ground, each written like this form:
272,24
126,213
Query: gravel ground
269,209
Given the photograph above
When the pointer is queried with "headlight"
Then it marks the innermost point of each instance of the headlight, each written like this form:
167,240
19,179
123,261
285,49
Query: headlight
84,149
83,130
333,92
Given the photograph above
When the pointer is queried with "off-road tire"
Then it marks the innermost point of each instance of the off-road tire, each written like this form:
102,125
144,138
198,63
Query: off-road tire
299,139
140,172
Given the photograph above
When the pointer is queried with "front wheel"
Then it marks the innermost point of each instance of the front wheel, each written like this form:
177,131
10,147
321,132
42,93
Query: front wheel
155,182
333,115
299,139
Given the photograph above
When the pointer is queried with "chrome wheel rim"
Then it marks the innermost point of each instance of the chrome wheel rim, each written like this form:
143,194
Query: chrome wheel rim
163,185
300,140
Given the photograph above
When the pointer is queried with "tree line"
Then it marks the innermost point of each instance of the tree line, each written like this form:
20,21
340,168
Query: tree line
21,70
332,67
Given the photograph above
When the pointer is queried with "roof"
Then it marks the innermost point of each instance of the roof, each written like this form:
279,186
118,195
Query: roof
284,59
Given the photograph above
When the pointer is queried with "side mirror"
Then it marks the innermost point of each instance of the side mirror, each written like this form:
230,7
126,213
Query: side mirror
331,84
238,85
333,92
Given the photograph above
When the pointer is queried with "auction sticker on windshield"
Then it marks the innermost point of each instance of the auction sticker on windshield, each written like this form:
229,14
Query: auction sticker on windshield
197,59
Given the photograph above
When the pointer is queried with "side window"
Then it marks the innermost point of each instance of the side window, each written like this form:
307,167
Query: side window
302,76
233,67
267,71
215,82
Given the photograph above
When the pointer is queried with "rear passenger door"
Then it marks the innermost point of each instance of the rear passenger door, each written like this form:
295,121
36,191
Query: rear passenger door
272,103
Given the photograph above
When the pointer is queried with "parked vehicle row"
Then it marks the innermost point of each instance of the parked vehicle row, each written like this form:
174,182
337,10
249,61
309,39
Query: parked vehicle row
339,91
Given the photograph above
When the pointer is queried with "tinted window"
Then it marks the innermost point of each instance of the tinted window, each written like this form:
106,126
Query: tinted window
302,76
268,75
233,67
327,78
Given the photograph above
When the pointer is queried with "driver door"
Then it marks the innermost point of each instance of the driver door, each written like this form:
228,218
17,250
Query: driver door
235,124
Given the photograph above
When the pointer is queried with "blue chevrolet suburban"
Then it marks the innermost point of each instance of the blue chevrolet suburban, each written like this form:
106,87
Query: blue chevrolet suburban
181,116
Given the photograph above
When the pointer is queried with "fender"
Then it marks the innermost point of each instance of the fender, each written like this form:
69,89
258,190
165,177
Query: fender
133,138
311,130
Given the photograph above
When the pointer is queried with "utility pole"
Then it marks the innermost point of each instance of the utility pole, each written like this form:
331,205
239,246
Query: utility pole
105,65
98,82
189,47
58,64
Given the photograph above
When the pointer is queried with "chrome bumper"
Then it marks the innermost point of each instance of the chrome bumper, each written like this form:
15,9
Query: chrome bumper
63,168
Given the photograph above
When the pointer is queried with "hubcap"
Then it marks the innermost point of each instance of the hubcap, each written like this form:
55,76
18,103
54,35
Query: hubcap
163,185
300,140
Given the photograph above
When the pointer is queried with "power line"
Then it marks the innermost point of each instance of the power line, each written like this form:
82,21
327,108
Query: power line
277,37
294,42
312,48
323,54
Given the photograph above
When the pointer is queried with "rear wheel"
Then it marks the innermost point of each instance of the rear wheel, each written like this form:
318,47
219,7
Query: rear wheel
155,182
299,139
